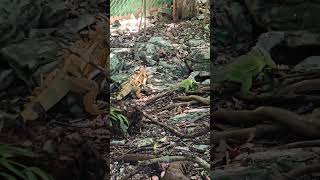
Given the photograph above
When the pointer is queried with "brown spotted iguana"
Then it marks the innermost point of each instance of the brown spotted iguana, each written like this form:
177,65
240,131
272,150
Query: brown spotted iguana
134,84
74,74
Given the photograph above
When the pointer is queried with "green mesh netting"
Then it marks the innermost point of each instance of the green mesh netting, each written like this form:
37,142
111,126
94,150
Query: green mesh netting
124,7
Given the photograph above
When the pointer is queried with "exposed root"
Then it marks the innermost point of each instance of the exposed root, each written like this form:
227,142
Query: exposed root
298,172
246,133
301,87
300,144
282,99
202,100
292,121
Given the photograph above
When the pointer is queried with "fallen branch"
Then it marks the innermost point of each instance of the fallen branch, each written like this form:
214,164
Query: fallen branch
175,131
158,96
292,121
170,106
135,157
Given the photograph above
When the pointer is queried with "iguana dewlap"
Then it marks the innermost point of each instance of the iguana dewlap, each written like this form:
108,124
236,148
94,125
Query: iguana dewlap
75,74
246,67
135,83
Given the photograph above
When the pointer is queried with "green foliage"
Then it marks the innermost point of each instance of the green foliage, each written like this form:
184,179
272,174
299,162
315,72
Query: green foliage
166,11
125,7
16,170
188,84
119,118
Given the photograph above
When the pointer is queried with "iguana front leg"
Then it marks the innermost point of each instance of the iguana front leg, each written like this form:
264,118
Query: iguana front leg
138,92
245,86
90,90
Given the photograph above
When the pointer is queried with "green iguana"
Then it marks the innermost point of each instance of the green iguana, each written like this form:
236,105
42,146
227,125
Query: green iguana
185,85
245,68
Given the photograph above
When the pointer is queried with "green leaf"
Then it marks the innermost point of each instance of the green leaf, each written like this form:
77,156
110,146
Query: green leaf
4,162
8,176
40,173
17,164
30,175
9,151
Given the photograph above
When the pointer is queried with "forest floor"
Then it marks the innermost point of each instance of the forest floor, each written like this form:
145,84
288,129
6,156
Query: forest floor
161,118
271,133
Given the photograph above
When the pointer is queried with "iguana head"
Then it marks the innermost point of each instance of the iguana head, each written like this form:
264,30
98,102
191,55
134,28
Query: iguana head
266,57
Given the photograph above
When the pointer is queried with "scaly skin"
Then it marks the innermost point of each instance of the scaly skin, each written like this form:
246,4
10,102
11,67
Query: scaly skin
73,75
248,66
133,85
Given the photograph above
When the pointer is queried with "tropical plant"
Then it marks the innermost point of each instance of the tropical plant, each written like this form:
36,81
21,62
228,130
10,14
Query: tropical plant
12,170
119,118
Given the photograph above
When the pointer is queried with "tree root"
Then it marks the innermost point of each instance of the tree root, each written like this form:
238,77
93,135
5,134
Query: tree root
202,100
282,99
301,87
285,118
298,172
300,144
246,134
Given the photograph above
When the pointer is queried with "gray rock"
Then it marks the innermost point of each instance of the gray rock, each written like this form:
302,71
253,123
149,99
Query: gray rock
270,39
6,78
159,41
120,78
206,82
310,63
26,58
146,52
196,42
200,59
115,63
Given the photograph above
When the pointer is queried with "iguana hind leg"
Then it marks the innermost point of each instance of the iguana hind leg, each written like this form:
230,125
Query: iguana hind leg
90,90
47,98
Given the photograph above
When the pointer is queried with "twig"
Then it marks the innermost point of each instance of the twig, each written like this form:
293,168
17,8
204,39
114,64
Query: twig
175,131
169,159
132,173
170,106
145,17
158,96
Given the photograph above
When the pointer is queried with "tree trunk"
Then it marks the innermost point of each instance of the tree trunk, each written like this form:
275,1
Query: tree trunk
184,9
